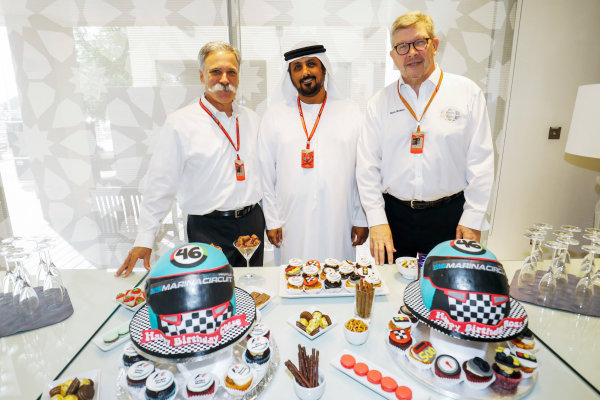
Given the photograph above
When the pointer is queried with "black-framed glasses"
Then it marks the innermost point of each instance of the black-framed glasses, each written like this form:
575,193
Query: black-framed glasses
419,45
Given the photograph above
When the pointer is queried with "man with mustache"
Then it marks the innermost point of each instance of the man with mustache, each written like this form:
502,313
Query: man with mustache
425,162
206,156
307,144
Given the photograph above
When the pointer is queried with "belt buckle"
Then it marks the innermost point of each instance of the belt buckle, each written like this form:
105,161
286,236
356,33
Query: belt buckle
411,204
238,213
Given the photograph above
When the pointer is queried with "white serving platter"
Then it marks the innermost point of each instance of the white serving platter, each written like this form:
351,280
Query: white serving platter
94,375
292,321
109,346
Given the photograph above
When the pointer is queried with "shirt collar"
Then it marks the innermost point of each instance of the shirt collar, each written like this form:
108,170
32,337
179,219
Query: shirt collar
433,78
217,113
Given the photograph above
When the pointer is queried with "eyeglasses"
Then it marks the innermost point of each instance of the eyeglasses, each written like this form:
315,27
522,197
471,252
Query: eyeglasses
419,45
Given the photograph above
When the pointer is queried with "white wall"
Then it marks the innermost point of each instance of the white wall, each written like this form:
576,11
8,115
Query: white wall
557,50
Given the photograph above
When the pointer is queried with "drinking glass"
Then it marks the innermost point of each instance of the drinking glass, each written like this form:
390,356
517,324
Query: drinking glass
547,285
529,268
585,289
247,252
28,300
540,234
53,290
563,263
587,261
8,282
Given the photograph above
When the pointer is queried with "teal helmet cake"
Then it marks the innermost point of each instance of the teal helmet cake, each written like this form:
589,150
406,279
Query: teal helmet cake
465,281
190,290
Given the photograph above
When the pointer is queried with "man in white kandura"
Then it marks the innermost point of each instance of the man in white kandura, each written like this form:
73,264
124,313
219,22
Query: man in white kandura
425,163
307,146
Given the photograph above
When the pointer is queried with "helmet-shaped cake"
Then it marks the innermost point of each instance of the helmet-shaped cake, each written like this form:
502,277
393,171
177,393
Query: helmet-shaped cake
464,280
190,290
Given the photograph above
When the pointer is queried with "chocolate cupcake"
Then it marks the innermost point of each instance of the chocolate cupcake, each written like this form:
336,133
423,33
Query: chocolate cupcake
346,270
160,385
257,351
333,281
446,370
130,355
332,263
400,338
507,371
478,373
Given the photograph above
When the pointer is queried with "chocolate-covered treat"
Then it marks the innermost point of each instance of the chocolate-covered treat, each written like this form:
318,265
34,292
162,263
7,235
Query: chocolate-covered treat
73,387
54,391
86,392
477,370
306,315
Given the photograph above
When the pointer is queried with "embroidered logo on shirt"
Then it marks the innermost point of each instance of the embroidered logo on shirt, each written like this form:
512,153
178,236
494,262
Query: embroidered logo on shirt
397,111
450,114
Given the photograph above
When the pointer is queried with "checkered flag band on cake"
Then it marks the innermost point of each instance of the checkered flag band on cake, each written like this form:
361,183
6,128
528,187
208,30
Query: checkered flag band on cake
477,308
201,321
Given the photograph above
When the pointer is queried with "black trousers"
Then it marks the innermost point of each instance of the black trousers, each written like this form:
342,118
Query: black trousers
223,231
419,231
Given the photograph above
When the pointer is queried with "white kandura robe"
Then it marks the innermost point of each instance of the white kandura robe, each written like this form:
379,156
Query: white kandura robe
316,208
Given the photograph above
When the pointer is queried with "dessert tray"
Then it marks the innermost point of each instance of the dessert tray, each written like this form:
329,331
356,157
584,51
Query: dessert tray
340,292
292,321
256,289
418,393
98,340
216,365
94,375
458,391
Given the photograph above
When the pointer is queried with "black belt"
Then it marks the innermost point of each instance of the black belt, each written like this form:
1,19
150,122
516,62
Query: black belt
239,213
420,205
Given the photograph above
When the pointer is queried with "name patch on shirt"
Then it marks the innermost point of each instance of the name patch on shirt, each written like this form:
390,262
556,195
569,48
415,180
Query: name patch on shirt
450,114
397,111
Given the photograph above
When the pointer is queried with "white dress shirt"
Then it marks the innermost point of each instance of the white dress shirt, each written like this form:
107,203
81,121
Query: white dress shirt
317,207
194,160
457,152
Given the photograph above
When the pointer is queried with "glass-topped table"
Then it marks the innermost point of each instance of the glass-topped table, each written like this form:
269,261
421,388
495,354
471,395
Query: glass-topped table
568,357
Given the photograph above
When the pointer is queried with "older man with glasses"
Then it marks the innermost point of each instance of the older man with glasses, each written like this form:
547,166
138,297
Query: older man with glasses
425,160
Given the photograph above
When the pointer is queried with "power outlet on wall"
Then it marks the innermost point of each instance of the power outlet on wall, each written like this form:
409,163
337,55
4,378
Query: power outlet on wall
554,133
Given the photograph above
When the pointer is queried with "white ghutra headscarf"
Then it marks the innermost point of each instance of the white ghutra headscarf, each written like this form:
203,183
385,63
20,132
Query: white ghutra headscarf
287,91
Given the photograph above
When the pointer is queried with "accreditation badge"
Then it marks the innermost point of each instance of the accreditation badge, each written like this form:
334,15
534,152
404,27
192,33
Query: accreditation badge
416,142
308,158
240,171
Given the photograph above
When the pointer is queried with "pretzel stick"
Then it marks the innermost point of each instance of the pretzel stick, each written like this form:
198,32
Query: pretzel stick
297,375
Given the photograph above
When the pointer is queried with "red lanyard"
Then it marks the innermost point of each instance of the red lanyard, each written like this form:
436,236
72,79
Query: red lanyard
428,103
237,129
308,138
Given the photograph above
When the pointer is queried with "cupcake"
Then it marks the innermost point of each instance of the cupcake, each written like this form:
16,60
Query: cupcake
406,311
363,262
325,271
313,263
421,355
201,387
238,379
333,281
346,270
332,263
400,338
293,271
260,329
507,371
525,340
295,284
130,355
363,272
257,351
310,271
400,321
160,385
138,373
446,370
352,281
478,373
312,284
528,363
374,279
295,262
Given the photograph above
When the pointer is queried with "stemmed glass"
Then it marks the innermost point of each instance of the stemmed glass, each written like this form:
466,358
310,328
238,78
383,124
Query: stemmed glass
9,280
547,285
53,289
529,268
563,262
247,247
584,291
587,262
28,300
